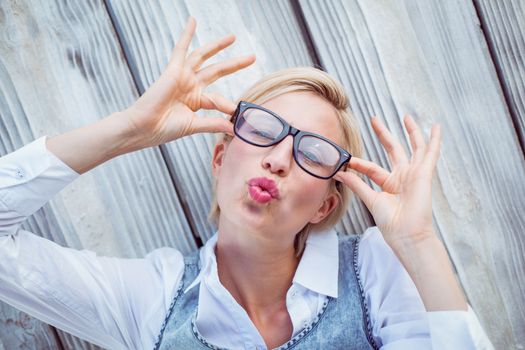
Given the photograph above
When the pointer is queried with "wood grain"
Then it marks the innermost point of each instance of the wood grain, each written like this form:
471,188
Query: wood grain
503,24
18,330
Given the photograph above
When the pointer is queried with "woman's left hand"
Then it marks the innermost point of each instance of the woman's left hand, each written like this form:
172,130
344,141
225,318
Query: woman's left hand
403,209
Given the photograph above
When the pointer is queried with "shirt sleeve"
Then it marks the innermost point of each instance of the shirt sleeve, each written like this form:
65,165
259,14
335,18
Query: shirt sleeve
397,313
29,178
114,303
463,326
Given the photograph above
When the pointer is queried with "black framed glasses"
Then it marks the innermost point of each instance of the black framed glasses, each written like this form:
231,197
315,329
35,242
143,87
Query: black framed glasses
315,154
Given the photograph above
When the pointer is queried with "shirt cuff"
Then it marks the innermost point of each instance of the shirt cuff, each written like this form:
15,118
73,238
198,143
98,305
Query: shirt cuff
457,330
31,176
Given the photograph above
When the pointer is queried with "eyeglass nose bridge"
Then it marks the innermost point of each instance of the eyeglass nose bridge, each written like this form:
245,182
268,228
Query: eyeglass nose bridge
288,130
296,135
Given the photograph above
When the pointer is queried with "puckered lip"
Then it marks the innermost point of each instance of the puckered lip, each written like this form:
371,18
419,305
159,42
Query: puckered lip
265,184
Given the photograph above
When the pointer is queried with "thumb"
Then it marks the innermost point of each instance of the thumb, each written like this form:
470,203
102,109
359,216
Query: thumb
215,124
212,100
358,186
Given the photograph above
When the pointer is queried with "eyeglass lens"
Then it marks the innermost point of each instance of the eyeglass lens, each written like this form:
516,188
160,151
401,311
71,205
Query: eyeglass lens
313,154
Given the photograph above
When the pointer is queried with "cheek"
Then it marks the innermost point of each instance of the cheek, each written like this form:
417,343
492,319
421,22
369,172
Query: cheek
308,194
234,161
238,154
232,174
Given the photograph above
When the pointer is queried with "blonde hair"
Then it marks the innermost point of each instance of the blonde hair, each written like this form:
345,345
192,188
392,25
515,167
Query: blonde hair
306,79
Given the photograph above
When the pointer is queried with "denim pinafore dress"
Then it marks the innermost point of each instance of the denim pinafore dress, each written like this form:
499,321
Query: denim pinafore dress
342,323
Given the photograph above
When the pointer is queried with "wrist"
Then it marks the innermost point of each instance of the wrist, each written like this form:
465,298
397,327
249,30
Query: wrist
84,148
418,240
125,136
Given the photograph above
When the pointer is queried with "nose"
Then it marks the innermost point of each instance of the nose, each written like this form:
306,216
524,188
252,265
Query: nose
279,158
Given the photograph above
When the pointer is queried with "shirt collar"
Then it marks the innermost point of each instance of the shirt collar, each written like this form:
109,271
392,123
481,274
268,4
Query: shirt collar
207,260
317,271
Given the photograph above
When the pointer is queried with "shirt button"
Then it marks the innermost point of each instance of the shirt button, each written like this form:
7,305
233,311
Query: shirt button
20,173
294,294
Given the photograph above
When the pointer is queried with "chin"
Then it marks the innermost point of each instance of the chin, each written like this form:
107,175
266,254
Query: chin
244,211
250,214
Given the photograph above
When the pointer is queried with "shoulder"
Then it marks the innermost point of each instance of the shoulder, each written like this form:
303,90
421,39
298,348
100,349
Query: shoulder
165,259
371,253
370,241
371,244
377,258
166,269
372,237
167,265
390,292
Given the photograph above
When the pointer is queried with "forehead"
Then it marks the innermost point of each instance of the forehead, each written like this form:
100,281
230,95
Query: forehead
308,112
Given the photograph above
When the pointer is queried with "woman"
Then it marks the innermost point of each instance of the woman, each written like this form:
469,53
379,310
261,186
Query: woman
275,273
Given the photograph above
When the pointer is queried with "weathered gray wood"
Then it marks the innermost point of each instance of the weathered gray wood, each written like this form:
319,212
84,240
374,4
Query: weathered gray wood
61,67
504,28
18,330
429,59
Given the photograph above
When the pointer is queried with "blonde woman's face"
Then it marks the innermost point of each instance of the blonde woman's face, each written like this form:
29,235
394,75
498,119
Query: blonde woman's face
246,174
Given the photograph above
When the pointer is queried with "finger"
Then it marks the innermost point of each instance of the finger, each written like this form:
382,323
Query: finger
417,140
215,124
211,100
434,145
200,55
358,186
179,51
214,71
370,169
394,149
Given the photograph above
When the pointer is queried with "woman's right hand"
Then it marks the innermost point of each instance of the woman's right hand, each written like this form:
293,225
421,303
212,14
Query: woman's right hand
166,111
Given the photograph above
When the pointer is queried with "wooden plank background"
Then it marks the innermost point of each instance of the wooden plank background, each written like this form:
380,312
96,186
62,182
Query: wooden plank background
67,64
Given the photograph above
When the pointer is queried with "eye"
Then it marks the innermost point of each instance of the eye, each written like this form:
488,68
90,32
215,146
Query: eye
262,133
310,158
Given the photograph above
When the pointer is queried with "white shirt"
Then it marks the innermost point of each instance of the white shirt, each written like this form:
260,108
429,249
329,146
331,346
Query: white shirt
121,303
